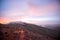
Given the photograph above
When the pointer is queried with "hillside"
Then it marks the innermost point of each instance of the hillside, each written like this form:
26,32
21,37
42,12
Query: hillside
33,28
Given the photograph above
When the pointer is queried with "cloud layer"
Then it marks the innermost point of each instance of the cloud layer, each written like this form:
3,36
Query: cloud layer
39,11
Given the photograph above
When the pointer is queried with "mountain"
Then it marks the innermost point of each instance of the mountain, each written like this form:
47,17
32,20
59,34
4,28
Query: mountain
34,28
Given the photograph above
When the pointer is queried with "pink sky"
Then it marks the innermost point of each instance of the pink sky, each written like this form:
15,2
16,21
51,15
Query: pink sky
23,11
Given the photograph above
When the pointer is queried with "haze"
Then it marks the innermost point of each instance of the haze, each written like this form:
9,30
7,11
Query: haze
31,11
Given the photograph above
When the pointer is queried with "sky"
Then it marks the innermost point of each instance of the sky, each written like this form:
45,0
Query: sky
32,11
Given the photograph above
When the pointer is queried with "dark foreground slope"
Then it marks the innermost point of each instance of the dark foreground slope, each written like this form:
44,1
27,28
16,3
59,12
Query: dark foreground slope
32,28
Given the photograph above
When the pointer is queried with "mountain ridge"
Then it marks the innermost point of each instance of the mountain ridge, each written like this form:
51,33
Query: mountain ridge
33,28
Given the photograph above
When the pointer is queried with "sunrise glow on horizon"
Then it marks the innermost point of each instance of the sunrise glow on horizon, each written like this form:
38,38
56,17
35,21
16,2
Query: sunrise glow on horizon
31,11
